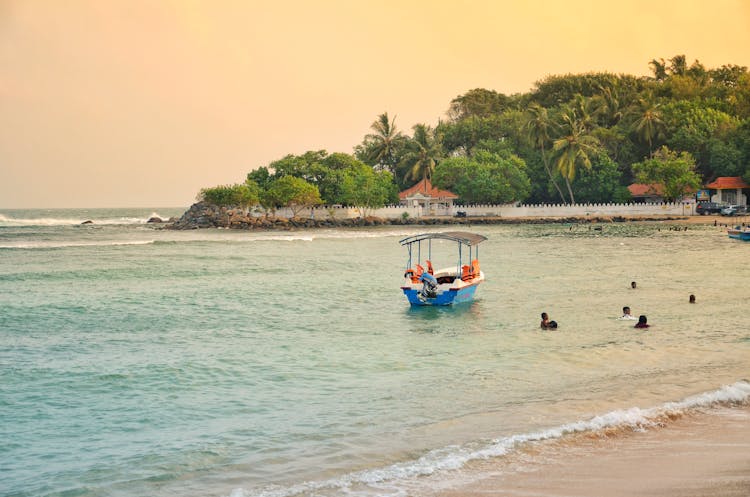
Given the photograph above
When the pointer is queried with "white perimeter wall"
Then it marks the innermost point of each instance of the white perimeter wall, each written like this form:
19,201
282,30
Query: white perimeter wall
508,210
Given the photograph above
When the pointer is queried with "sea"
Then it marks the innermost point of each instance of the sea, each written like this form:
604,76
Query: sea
140,361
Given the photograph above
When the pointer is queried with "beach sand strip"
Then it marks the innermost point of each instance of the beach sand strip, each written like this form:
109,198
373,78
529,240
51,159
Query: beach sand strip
698,455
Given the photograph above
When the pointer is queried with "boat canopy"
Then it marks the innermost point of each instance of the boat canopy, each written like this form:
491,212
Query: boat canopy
464,237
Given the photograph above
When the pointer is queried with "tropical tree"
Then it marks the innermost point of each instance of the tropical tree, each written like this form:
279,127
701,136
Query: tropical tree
573,148
238,195
675,172
292,192
367,189
601,183
262,177
383,147
538,126
659,68
649,125
423,153
486,177
478,102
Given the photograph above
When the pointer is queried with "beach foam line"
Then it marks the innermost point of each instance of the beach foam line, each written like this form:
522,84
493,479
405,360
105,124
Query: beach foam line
455,457
53,221
53,245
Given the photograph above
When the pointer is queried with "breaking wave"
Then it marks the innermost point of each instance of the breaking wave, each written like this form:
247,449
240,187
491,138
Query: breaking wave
52,245
71,221
455,457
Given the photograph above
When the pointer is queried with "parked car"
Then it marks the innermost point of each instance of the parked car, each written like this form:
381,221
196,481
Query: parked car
704,208
733,210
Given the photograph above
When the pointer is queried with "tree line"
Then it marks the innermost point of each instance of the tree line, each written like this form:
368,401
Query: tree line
572,138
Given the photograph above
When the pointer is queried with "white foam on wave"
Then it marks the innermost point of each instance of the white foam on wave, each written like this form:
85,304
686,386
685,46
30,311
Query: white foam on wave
51,245
344,234
454,457
284,238
68,221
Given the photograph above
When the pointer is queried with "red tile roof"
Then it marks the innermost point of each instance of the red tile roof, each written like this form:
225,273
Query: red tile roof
425,188
728,183
642,190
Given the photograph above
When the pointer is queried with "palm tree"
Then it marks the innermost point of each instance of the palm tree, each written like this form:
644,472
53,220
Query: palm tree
573,148
383,145
607,106
538,125
659,68
649,124
423,153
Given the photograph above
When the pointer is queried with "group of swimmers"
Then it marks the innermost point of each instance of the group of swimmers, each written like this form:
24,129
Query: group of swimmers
546,324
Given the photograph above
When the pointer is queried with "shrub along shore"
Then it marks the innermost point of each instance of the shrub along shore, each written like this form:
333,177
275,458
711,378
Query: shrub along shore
204,215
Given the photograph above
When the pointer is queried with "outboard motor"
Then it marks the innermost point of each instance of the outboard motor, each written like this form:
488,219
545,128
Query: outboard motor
429,286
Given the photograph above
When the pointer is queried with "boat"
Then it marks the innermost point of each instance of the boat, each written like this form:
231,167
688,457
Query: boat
424,286
739,233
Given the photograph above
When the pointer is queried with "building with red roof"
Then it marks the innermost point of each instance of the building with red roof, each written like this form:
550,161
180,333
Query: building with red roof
642,192
728,190
424,194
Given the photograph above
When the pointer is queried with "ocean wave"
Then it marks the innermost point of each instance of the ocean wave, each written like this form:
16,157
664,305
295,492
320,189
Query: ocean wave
53,245
455,457
71,221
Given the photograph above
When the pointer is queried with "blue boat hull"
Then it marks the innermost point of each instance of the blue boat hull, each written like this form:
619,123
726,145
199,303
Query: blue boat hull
453,296
740,235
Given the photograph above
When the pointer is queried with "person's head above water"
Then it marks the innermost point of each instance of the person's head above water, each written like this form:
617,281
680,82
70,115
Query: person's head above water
692,298
545,316
632,284
626,310
642,319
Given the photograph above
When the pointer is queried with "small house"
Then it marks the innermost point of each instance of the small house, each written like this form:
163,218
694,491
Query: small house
646,193
728,190
425,195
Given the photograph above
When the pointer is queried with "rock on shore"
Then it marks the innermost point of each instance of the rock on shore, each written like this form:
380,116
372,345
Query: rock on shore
205,215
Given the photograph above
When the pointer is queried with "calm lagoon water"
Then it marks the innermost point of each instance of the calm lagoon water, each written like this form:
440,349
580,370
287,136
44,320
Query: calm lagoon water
136,361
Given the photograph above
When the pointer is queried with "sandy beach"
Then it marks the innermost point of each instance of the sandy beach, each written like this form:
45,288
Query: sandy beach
699,455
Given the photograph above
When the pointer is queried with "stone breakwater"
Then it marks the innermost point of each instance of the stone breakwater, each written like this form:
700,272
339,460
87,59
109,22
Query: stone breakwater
204,215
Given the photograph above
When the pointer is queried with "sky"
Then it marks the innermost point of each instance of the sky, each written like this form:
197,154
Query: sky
141,103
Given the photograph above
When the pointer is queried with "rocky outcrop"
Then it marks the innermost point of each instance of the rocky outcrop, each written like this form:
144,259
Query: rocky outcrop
155,219
204,215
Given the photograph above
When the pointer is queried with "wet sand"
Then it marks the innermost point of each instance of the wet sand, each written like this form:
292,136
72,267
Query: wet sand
699,455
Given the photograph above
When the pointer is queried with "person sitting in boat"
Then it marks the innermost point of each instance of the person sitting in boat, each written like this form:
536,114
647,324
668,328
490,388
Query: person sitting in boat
642,322
626,314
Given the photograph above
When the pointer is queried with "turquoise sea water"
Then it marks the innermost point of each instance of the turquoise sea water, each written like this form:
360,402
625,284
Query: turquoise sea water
137,361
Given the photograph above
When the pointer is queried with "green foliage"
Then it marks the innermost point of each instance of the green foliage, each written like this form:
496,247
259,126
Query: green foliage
423,151
478,102
485,178
584,133
239,195
675,172
261,177
573,148
367,189
602,183
292,192
383,148
558,90
694,126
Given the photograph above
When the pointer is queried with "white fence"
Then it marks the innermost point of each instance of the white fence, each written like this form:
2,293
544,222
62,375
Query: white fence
507,211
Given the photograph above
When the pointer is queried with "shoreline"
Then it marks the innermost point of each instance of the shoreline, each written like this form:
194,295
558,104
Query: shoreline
201,216
701,454
271,223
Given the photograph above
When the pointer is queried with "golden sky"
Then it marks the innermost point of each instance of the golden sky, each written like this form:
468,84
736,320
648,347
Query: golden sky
120,103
